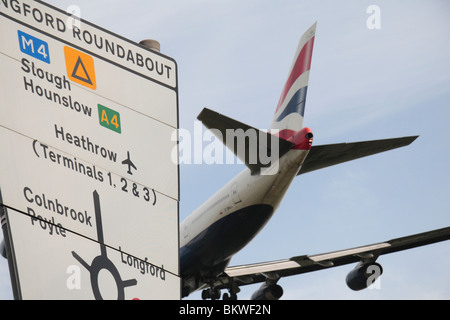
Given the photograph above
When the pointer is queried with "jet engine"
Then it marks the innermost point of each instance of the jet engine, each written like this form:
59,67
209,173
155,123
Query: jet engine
363,275
268,292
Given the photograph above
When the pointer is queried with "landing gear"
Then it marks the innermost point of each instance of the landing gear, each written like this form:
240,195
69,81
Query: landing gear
211,293
233,290
214,293
231,296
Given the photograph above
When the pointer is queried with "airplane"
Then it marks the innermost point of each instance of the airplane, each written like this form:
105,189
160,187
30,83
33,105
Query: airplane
234,215
129,163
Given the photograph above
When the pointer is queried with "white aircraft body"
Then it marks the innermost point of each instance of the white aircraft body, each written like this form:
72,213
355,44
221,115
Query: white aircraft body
232,217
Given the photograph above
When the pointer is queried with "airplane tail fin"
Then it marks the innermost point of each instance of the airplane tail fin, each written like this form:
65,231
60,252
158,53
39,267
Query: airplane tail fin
288,118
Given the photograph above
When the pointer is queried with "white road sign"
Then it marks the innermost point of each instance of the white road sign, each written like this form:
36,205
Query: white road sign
86,175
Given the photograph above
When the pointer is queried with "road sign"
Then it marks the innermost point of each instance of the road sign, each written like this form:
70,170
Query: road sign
80,67
86,177
34,47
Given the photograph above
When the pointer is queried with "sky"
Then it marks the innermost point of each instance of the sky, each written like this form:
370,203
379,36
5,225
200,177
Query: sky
365,83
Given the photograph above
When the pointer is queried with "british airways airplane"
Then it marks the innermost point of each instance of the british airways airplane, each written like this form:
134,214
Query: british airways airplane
232,217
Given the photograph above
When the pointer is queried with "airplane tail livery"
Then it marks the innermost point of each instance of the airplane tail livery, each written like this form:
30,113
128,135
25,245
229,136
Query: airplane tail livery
234,215
290,110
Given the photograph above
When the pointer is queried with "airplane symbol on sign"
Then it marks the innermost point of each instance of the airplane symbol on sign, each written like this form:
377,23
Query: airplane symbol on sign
129,163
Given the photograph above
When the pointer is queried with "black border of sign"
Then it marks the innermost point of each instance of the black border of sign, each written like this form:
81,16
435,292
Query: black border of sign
99,56
9,246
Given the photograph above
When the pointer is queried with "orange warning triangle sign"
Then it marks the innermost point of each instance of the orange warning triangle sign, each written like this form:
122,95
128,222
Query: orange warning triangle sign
80,67
79,74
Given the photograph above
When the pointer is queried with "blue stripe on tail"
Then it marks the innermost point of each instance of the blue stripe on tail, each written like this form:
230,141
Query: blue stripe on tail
295,105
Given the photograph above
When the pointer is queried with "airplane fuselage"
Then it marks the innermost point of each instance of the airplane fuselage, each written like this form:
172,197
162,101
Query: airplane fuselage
231,218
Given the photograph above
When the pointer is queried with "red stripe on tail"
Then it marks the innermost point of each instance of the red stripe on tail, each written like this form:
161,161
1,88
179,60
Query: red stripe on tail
302,64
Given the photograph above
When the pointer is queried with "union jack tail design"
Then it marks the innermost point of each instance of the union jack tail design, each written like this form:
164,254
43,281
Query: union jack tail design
288,118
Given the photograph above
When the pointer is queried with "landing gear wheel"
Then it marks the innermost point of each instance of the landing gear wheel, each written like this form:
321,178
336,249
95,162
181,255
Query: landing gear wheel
231,296
212,293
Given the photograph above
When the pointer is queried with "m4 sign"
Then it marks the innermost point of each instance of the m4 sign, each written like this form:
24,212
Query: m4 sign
34,47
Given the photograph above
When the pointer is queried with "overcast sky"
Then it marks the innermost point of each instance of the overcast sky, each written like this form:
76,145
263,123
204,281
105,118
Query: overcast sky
233,57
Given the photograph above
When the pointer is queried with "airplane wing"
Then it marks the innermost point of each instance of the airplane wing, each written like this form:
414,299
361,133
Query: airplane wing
328,155
271,272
